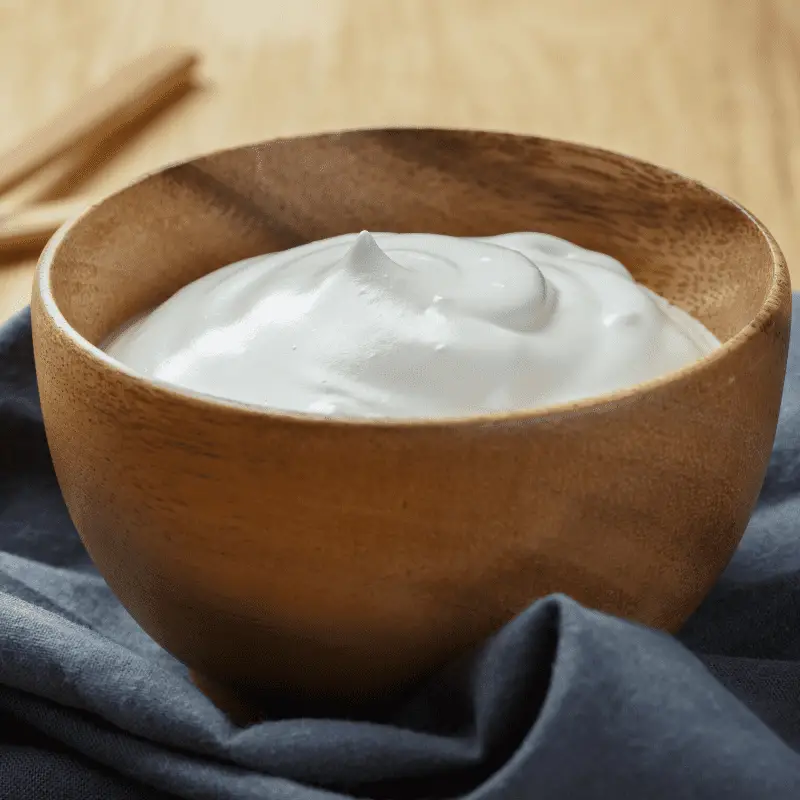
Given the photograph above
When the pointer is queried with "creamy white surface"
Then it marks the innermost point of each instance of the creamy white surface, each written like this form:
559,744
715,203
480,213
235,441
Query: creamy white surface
414,325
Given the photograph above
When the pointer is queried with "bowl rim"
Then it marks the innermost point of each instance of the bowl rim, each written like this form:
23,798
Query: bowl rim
780,286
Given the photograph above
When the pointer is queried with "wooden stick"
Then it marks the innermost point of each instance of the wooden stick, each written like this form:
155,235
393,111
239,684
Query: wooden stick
30,227
128,94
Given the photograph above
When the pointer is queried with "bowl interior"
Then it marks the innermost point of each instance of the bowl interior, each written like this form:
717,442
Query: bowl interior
134,250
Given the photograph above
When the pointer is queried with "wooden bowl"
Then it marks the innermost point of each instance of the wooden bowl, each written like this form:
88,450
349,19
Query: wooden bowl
342,559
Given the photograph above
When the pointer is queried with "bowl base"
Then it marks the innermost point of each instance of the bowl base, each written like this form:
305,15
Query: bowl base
235,704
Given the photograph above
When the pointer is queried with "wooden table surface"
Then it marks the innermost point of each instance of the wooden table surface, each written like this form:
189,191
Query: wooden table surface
708,87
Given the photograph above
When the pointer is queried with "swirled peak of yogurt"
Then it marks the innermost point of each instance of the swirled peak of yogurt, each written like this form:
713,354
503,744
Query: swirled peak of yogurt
414,325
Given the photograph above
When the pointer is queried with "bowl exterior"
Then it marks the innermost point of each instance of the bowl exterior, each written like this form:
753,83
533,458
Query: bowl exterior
347,559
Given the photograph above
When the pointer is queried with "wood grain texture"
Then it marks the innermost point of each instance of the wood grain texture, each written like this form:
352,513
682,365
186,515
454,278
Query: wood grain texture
709,88
271,550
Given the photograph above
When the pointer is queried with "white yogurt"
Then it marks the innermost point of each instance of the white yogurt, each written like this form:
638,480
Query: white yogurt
414,325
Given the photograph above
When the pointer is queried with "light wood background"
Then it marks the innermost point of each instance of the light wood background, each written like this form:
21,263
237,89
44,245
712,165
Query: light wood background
709,87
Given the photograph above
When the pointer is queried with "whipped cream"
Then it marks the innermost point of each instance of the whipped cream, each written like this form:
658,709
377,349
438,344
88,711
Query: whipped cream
414,325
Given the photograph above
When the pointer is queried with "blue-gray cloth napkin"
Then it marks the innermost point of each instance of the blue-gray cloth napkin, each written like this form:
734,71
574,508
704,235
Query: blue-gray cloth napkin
563,703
